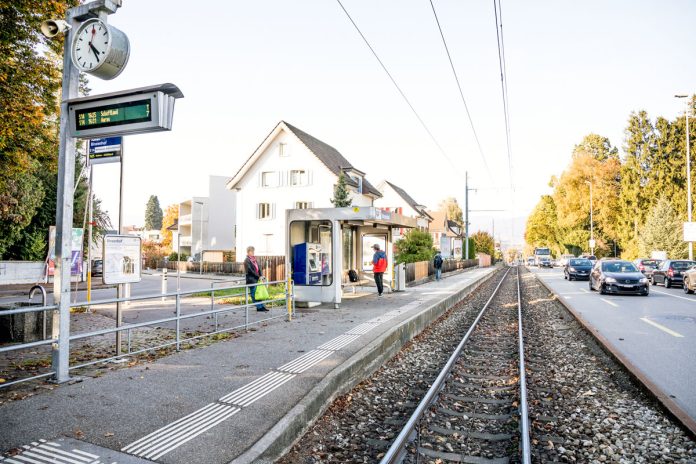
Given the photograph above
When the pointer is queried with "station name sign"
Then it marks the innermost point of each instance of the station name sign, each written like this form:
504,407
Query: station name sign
134,111
106,150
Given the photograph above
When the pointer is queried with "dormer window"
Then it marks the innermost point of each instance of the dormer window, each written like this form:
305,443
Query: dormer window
358,180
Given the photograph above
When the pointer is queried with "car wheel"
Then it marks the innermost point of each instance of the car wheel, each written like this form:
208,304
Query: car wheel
565,276
653,281
601,290
668,283
687,290
647,292
591,287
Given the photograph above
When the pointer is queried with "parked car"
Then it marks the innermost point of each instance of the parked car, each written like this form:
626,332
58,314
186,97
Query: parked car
564,259
97,267
618,276
545,261
647,266
689,280
671,271
577,268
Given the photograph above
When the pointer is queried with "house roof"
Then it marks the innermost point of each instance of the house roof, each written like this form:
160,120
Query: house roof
409,199
327,154
440,223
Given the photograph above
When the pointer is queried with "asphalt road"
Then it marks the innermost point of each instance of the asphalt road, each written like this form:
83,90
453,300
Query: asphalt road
656,333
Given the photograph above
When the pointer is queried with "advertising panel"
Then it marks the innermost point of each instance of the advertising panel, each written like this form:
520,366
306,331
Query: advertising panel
122,259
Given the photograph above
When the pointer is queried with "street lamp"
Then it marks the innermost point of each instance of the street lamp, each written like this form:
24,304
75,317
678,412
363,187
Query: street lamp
592,242
200,267
688,172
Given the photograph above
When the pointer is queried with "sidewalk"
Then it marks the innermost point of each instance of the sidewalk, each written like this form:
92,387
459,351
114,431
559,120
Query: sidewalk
241,399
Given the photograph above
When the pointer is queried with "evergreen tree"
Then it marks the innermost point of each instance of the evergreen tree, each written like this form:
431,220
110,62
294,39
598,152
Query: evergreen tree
416,245
662,232
153,214
341,195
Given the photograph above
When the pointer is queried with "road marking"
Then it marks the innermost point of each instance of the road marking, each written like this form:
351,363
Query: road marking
584,290
662,327
675,296
246,395
44,452
307,360
609,302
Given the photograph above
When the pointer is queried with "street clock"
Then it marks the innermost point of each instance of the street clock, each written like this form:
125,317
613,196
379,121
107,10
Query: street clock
100,49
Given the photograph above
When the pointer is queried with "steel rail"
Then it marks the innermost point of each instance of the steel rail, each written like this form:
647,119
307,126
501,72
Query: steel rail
525,445
396,451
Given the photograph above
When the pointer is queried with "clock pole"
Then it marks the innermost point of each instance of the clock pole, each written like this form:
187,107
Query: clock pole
60,327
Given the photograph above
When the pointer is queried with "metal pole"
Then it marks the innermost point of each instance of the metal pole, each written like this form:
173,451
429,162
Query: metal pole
60,349
200,269
466,213
591,222
89,232
119,287
688,176
178,260
178,321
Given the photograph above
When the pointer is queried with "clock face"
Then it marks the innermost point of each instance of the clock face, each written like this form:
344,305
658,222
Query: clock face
91,45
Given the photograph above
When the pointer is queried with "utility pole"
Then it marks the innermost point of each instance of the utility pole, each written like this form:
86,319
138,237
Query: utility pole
466,214
688,170
592,242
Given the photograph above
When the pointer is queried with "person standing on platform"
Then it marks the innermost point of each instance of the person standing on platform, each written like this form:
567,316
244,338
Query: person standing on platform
253,275
379,266
437,264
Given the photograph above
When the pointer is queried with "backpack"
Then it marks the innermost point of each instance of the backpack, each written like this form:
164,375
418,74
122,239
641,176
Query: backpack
437,261
352,275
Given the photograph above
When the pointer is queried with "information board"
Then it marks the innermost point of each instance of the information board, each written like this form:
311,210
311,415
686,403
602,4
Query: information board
122,259
690,231
75,251
115,114
105,150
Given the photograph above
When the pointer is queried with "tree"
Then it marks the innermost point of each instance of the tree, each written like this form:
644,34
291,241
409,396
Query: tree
153,214
662,232
542,226
453,210
416,245
483,242
341,195
171,217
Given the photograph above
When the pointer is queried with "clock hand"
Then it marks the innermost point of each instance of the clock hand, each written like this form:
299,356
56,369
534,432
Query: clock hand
95,51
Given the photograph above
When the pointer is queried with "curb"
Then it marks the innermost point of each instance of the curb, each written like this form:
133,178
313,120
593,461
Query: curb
283,435
648,386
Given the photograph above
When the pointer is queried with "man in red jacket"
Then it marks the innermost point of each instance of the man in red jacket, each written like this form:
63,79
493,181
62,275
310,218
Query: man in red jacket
379,265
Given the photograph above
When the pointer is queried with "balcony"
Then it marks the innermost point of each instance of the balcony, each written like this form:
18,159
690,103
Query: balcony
185,219
185,241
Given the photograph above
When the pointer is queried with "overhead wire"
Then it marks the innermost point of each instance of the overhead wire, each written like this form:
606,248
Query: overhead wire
461,92
497,9
398,88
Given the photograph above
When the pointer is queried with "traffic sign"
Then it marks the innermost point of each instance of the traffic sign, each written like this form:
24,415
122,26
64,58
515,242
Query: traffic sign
133,111
690,231
592,243
106,150
122,259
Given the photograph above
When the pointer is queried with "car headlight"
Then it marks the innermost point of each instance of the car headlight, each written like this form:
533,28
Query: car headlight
571,269
644,280
610,280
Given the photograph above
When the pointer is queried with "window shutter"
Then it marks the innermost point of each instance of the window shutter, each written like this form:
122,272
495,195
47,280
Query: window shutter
258,210
273,210
309,177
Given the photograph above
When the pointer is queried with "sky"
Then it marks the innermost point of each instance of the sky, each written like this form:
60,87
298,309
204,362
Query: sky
573,68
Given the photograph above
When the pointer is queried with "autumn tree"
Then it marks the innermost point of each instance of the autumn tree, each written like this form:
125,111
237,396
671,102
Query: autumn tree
542,226
453,210
483,242
171,217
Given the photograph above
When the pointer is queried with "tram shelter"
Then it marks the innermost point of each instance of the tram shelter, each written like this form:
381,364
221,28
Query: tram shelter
324,244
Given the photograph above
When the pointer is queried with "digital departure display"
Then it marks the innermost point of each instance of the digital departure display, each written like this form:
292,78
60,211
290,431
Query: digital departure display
115,114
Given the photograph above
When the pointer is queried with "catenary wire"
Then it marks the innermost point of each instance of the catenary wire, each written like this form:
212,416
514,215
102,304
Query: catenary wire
461,92
503,81
401,92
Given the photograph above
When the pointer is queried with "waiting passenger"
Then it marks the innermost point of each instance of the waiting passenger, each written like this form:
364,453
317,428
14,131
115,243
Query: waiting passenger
254,273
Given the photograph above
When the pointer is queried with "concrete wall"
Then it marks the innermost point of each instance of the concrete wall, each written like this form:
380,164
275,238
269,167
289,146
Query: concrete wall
22,272
268,236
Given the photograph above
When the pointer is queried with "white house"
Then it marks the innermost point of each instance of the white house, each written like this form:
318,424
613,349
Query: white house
396,199
207,223
289,170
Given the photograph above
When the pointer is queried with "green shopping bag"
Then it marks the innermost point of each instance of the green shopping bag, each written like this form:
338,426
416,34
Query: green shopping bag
261,292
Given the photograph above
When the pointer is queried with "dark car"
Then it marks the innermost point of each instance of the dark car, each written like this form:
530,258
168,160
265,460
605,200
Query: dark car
618,276
671,271
97,267
647,266
577,268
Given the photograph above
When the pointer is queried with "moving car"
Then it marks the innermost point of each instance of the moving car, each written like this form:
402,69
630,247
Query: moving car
97,267
544,261
530,261
577,268
689,280
618,276
647,266
671,271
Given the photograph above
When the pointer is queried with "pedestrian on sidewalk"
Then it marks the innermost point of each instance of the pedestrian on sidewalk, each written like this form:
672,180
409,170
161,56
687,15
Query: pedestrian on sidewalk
379,265
254,273
437,264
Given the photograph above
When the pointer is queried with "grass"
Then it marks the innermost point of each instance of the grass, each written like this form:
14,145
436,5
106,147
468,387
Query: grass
275,292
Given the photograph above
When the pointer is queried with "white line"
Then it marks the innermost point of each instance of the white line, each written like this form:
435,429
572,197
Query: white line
65,453
260,394
306,361
51,453
609,302
249,393
338,342
93,456
674,296
584,290
23,457
362,329
662,327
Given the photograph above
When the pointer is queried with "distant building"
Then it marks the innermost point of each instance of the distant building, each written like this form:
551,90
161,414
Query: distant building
396,199
444,238
207,224
145,234
289,170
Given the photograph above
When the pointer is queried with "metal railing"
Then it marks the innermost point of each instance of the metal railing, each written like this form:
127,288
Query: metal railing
276,304
397,451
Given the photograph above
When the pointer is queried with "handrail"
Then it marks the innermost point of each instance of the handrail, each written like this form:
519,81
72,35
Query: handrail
394,453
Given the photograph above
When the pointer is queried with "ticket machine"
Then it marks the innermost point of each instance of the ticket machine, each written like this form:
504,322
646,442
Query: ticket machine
307,266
